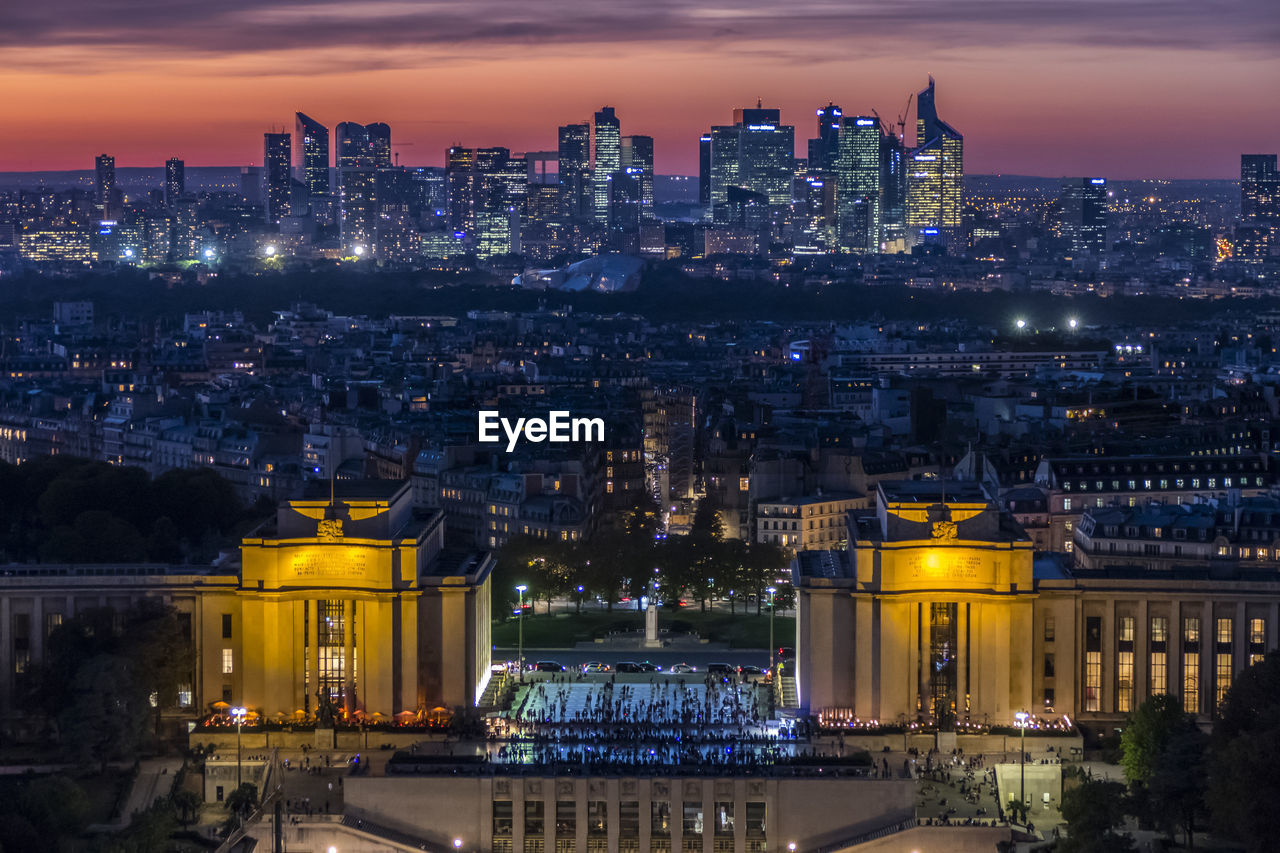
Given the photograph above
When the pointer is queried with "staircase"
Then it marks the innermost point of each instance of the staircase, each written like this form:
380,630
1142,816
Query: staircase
494,696
788,698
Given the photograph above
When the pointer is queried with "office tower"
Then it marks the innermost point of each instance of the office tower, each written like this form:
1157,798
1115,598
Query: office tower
858,189
574,170
501,189
824,149
379,136
365,146
1259,189
104,175
755,153
460,181
704,170
607,159
637,161
1082,216
312,154
893,193
276,158
175,181
935,175
361,151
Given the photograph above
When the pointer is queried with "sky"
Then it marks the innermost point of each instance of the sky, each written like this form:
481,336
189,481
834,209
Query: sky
1121,88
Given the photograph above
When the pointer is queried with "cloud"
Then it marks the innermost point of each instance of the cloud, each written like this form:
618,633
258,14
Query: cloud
408,31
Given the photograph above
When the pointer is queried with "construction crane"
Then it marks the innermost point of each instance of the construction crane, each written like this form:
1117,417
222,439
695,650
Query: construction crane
400,145
902,119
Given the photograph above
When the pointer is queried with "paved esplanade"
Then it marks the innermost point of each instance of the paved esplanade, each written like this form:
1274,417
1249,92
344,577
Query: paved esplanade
662,702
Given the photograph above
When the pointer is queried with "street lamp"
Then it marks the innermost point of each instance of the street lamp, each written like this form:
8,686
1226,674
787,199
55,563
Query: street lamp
457,844
771,590
520,596
239,714
1022,717
579,599
1073,322
791,846
1021,324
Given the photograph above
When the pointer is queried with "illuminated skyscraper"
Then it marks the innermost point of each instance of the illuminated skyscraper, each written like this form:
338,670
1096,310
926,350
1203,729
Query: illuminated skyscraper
104,179
755,153
365,146
574,170
1259,188
935,178
607,150
858,190
312,155
460,181
276,157
637,161
893,193
704,170
824,149
1082,217
361,151
175,181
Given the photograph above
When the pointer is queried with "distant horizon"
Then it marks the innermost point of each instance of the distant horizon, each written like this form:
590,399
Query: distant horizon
1174,91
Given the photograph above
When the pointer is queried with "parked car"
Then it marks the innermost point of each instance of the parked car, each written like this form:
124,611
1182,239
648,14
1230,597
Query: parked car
627,666
548,666
751,673
786,652
683,669
721,669
645,666
595,666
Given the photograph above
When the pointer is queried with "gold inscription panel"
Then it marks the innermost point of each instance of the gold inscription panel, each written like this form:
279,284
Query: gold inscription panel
342,561
942,564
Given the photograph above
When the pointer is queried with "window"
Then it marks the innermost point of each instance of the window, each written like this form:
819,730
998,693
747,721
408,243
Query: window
1048,629
1093,664
534,817
1048,665
692,823
1124,666
184,695
1223,627
1159,655
1066,504
228,661
659,817
51,623
744,484
629,819
755,820
724,818
226,626
597,817
1191,664
566,818
502,822
1257,640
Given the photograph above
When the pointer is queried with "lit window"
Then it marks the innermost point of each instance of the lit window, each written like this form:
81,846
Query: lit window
228,661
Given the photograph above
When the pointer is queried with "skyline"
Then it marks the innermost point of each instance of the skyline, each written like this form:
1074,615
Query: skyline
439,78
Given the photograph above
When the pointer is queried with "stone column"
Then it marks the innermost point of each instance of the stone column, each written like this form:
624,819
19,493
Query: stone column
313,648
348,655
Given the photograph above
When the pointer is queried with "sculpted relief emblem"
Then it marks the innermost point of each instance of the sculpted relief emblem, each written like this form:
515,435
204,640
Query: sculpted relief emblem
329,529
944,531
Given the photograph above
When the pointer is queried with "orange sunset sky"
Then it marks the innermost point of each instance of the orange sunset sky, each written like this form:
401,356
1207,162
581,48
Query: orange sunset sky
1125,89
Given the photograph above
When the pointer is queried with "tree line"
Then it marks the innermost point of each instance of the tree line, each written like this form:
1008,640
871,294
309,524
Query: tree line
629,559
59,509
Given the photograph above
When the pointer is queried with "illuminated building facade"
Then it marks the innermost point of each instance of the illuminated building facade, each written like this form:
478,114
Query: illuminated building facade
175,181
939,615
312,141
935,178
637,161
1082,217
1259,188
574,170
607,151
104,181
353,600
756,153
276,159
824,149
858,192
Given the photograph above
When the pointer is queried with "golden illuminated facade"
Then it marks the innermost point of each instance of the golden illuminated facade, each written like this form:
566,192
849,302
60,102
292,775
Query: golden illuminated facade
938,614
349,602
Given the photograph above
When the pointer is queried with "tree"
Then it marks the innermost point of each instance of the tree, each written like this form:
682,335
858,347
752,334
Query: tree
162,652
187,805
1244,762
243,800
1092,811
1149,730
1177,782
107,718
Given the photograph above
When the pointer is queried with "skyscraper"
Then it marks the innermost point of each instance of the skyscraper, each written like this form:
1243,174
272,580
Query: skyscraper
637,161
366,146
935,178
276,158
704,170
175,181
858,189
574,170
1259,188
1082,217
755,153
824,149
312,155
607,159
893,193
104,179
361,151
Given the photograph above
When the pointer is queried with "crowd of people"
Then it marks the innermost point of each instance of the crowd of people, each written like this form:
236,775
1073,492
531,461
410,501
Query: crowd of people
665,702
